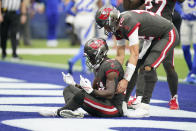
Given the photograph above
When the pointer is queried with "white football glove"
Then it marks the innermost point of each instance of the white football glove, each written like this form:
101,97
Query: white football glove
68,79
86,84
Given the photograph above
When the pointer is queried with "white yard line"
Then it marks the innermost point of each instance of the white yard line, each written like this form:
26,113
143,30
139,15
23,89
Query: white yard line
163,78
65,51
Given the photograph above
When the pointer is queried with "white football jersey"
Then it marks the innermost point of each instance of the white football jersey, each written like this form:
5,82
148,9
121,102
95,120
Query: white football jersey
189,6
86,6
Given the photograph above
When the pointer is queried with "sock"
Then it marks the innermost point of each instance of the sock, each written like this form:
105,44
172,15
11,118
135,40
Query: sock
173,83
131,86
150,79
172,77
187,55
140,85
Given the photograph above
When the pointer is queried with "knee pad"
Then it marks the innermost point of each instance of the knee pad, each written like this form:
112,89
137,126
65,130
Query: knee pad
150,76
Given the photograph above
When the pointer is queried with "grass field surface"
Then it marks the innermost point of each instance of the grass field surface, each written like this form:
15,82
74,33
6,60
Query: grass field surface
60,60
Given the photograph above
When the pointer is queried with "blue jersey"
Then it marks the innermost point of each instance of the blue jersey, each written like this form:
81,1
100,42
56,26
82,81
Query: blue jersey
189,10
51,5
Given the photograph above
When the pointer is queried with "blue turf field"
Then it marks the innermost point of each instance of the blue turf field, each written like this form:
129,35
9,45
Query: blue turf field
25,89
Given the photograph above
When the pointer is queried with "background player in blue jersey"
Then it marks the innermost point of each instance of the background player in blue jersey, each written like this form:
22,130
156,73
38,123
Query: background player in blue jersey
52,15
84,26
188,37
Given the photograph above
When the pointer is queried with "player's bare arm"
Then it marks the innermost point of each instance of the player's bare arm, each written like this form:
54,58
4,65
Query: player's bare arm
120,55
23,18
134,54
111,82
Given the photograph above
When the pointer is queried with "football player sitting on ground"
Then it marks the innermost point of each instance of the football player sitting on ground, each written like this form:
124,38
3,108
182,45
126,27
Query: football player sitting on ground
99,99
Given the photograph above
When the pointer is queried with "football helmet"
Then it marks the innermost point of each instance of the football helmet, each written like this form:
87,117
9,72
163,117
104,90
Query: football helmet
108,17
95,50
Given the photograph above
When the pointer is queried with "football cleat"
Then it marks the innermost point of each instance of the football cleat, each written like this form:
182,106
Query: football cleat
191,79
173,103
48,112
140,112
131,100
135,103
70,114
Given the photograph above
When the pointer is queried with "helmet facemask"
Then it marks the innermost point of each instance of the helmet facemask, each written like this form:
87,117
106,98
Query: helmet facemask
114,20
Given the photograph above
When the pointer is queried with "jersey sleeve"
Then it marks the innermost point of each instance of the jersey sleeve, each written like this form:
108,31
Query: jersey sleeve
111,66
133,37
130,28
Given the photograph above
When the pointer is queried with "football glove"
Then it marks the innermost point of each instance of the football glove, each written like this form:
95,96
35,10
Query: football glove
86,84
68,79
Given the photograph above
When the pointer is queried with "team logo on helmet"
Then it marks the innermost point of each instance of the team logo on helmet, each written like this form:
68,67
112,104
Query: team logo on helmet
96,44
105,13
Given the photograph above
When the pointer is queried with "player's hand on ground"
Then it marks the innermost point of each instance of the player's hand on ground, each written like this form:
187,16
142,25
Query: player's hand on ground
68,78
122,86
86,84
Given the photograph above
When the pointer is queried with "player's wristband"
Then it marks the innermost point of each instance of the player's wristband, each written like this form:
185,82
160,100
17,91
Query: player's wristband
129,71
